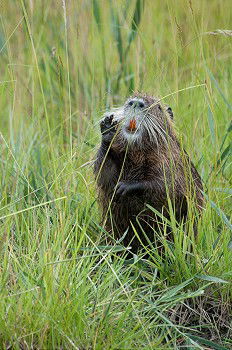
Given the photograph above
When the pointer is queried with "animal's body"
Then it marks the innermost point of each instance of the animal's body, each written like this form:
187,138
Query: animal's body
140,162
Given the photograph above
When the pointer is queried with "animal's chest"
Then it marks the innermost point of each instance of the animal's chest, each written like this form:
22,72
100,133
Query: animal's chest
135,168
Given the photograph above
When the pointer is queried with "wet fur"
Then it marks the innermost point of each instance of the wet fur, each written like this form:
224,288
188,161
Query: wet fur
151,170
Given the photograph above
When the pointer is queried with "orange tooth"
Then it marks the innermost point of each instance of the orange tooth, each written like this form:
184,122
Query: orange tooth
132,125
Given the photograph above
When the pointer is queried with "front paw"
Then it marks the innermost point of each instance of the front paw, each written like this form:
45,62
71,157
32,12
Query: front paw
122,189
108,125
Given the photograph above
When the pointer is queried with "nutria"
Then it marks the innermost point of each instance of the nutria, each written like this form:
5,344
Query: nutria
140,162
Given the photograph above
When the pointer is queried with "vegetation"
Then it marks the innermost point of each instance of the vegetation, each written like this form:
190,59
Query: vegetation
63,283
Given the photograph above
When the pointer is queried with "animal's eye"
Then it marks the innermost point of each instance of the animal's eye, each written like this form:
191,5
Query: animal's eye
130,103
170,112
141,104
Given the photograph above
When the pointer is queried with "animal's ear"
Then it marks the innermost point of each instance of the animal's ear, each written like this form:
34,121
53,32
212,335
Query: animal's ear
170,112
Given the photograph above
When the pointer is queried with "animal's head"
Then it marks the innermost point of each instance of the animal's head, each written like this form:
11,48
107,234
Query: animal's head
145,118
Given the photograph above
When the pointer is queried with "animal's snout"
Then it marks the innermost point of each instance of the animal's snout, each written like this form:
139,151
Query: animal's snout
135,103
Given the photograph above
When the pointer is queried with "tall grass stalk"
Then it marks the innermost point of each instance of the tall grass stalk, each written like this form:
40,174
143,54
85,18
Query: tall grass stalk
65,282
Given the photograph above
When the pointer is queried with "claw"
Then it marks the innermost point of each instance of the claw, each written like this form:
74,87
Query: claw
107,124
121,189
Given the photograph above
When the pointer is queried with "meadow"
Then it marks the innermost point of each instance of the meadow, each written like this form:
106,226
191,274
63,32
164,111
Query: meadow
63,284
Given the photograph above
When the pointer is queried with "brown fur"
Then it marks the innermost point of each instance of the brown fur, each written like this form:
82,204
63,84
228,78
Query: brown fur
152,172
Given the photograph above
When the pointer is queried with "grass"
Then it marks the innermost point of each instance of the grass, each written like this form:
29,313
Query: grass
63,285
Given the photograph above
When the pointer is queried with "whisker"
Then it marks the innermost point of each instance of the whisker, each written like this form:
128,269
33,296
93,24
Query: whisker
164,133
152,135
158,129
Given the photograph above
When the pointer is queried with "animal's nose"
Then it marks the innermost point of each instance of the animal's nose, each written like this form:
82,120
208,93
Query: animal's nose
136,103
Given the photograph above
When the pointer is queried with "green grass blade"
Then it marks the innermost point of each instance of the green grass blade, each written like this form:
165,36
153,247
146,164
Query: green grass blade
211,279
211,126
218,88
220,213
116,30
226,135
204,341
225,154
139,6
97,15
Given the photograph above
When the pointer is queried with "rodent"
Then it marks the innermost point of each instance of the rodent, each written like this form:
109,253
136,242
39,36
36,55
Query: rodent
140,162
